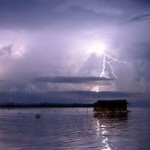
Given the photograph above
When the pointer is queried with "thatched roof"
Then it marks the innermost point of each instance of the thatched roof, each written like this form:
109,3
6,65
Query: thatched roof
110,102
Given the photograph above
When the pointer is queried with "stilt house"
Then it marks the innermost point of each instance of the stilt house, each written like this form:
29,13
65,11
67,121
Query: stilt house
110,108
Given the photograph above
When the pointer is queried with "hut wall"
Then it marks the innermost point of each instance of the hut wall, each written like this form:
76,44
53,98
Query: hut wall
107,107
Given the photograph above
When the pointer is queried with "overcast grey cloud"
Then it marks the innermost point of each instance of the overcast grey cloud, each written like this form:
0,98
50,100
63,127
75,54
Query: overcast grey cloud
63,38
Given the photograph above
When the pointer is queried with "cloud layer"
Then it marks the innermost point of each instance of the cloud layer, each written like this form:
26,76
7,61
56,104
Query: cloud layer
55,40
68,79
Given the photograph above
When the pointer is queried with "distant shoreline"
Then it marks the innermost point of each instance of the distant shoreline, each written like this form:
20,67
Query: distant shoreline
45,105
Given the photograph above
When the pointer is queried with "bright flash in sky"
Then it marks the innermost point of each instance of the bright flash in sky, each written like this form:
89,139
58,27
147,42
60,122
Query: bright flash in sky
98,47
18,52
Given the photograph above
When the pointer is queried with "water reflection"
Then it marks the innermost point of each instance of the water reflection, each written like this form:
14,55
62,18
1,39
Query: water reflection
108,131
102,132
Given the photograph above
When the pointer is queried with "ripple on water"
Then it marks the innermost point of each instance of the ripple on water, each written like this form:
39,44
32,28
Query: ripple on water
72,129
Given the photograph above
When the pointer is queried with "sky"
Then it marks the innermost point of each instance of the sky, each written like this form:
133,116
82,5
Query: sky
66,50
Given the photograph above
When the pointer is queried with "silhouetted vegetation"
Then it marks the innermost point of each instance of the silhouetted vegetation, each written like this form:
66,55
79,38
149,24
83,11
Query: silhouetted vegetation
99,106
45,105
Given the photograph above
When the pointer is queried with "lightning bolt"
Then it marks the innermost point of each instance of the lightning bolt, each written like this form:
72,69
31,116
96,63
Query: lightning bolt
107,59
103,73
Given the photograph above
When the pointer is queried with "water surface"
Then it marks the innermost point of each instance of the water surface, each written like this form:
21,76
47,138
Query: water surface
73,129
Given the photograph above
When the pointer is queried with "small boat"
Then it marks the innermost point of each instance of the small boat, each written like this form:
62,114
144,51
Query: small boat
38,116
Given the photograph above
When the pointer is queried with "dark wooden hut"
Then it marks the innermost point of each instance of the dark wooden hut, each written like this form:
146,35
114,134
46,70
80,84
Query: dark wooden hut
111,108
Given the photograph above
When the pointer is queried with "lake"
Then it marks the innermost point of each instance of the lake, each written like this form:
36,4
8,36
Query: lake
73,129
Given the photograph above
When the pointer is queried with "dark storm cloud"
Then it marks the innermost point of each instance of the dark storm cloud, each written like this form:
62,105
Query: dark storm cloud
37,13
142,69
100,94
52,37
140,18
66,96
135,99
30,13
23,13
137,51
67,79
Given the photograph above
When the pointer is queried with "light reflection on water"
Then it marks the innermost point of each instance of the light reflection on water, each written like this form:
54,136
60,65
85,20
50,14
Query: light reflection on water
65,129
107,131
101,131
